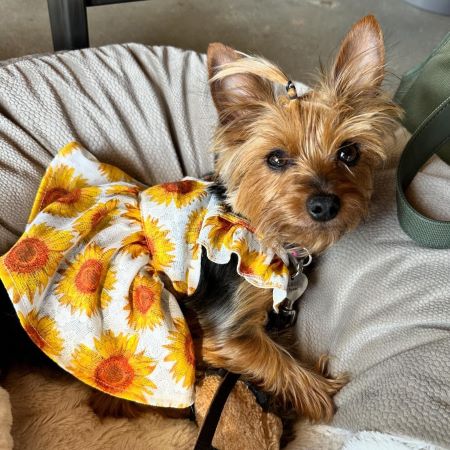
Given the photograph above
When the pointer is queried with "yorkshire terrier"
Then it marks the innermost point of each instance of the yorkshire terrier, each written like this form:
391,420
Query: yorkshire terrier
299,170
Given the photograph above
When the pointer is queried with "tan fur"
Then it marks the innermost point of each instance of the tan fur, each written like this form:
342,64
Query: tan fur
106,405
346,106
250,351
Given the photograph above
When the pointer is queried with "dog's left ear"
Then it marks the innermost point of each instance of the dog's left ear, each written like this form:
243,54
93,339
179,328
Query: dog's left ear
235,95
359,64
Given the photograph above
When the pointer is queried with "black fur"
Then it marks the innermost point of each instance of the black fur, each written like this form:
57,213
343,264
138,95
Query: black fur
219,190
212,298
15,345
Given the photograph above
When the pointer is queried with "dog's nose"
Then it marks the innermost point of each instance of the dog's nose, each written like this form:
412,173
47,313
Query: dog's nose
323,207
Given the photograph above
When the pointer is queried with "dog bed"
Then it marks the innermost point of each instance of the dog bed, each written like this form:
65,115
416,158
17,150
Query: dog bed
377,302
6,441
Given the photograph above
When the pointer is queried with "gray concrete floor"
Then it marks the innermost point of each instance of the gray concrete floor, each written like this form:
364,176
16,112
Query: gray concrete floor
294,33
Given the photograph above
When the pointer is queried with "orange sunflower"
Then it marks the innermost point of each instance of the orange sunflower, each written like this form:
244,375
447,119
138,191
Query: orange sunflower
123,189
113,174
181,353
114,366
145,302
133,213
158,244
27,267
135,244
85,284
222,230
180,286
193,228
278,267
69,148
252,262
96,218
182,193
43,332
63,194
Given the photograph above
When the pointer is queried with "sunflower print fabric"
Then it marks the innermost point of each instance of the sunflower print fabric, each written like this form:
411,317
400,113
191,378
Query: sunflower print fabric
85,277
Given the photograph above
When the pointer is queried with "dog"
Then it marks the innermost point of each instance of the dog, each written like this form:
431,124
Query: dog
299,170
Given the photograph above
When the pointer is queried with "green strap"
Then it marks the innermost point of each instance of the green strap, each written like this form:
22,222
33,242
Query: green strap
429,138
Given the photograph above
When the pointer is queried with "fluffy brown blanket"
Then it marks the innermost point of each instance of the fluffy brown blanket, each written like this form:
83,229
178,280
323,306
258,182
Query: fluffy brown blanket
50,411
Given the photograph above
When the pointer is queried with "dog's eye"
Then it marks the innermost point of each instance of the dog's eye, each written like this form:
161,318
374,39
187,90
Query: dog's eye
278,159
348,153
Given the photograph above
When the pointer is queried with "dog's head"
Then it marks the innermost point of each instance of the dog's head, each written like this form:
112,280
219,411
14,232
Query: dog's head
301,169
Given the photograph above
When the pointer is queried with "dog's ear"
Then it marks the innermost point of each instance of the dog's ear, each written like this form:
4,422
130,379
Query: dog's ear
238,94
359,64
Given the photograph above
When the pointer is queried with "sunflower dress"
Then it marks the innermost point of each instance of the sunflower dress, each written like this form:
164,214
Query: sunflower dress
85,277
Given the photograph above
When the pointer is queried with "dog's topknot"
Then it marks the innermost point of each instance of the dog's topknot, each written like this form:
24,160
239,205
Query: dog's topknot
251,65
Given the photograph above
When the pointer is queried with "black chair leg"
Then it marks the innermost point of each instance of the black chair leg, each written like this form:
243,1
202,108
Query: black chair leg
68,21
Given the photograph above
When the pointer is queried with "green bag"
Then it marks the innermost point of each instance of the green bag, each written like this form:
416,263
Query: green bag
424,93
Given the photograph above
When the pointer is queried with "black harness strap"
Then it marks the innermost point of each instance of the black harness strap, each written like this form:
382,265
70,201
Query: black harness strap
206,435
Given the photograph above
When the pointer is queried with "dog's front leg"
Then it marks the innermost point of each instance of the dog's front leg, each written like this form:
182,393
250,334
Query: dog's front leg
240,344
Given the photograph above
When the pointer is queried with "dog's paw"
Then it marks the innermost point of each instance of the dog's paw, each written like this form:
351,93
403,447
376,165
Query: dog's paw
332,385
313,396
314,403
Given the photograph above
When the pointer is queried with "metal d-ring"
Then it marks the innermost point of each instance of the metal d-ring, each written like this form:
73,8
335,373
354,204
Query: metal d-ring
308,262
299,263
296,263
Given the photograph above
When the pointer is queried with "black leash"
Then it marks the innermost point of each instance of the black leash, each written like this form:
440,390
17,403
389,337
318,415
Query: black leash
206,435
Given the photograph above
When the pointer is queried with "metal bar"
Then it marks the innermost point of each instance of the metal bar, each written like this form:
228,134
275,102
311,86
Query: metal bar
108,2
68,21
